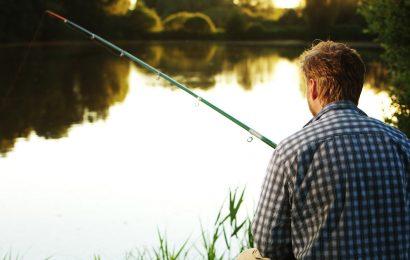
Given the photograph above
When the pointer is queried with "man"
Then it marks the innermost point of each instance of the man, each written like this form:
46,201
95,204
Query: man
340,187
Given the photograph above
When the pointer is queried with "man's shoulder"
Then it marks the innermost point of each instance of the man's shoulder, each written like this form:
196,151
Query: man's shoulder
336,126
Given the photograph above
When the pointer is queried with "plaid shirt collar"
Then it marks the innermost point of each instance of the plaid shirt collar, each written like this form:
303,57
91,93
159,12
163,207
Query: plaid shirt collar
338,105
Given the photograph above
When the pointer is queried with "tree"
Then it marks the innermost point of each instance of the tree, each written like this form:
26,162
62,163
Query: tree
236,24
348,13
290,17
256,29
143,19
390,20
189,22
175,22
168,7
220,14
19,19
90,12
200,23
119,7
321,14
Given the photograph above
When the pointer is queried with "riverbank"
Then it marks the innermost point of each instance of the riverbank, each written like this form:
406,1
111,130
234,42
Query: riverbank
267,43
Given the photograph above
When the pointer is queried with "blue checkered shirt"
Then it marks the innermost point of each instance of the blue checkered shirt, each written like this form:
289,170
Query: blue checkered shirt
337,189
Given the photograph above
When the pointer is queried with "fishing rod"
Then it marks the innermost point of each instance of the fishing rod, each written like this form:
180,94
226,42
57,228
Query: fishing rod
123,53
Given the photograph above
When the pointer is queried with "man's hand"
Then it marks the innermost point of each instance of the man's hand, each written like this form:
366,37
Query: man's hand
251,254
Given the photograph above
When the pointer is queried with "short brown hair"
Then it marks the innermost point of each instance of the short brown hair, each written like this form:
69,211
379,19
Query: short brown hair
338,69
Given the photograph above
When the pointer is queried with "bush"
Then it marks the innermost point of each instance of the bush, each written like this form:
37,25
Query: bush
390,20
175,22
219,15
189,22
320,15
199,23
291,17
236,24
256,29
143,19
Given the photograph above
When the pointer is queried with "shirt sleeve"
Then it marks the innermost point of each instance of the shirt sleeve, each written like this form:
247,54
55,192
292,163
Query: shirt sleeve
272,224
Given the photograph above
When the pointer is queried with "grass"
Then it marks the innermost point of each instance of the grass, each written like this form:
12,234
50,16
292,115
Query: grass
229,235
236,234
9,256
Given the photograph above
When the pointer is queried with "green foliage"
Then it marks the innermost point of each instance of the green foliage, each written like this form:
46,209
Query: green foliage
200,23
256,29
118,7
348,14
236,23
189,22
143,19
92,12
291,17
390,20
113,19
229,230
320,15
18,21
165,253
168,7
9,256
133,24
175,22
220,14
230,235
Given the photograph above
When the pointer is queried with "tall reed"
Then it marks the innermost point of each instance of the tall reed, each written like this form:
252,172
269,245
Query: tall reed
230,234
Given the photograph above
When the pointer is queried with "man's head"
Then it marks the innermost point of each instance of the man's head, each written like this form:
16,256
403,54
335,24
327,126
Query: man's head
333,72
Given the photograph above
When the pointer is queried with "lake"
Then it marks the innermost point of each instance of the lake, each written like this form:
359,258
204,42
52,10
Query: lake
97,153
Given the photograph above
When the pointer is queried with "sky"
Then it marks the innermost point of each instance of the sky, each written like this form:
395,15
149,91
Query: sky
287,3
133,3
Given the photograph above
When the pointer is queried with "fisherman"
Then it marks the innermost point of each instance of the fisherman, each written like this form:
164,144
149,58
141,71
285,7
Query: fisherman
339,188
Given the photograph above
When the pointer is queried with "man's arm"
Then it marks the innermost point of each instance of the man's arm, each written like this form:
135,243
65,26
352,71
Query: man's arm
271,224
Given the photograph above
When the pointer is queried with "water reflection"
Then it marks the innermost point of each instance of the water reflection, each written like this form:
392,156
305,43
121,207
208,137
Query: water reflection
57,89
64,86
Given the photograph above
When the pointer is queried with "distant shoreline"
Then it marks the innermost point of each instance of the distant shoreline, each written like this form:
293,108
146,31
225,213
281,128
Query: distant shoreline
273,43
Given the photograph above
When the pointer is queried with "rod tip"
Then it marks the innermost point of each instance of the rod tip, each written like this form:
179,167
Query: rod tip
50,13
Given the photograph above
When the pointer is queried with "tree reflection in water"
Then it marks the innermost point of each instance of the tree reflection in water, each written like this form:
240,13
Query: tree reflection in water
63,86
58,88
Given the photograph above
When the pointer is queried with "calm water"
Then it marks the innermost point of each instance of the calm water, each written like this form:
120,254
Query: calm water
97,153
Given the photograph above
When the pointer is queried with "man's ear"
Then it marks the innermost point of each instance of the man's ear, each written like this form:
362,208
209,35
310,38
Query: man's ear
313,91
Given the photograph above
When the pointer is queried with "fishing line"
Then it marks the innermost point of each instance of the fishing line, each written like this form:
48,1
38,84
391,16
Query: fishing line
160,74
23,62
